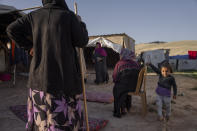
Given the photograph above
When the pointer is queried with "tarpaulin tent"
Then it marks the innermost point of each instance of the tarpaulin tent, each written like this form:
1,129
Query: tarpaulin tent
112,44
105,43
8,14
121,39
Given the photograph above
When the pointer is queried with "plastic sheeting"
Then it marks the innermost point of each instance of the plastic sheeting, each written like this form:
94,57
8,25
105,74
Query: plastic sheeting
105,43
187,65
154,57
179,57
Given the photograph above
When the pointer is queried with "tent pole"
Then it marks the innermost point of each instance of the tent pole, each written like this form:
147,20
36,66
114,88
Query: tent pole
37,7
82,74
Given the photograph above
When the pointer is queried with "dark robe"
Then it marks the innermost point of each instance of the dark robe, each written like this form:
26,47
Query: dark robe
100,68
55,32
125,77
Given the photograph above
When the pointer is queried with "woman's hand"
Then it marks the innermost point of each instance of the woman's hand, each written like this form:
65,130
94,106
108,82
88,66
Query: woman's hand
31,52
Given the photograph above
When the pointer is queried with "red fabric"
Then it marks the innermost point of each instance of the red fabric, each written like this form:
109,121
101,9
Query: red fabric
192,54
5,77
13,49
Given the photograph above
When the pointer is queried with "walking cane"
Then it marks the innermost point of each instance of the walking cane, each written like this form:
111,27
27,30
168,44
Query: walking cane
82,74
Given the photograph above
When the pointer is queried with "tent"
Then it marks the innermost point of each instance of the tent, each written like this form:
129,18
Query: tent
121,39
8,14
112,44
105,43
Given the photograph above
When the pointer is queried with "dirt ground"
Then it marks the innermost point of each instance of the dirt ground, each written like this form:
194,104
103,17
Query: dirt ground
184,112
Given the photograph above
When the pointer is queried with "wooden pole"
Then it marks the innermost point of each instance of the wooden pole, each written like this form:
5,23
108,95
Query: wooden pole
32,8
82,74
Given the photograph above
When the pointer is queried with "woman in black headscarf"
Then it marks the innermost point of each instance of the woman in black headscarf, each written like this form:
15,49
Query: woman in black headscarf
54,79
125,78
99,58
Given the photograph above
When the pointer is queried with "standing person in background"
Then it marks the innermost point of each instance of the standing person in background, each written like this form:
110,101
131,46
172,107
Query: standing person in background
99,58
125,77
54,79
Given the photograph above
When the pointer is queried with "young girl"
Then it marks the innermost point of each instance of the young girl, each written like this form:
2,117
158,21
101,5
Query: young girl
163,90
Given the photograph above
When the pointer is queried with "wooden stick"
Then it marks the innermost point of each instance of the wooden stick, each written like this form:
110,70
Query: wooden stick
82,74
37,7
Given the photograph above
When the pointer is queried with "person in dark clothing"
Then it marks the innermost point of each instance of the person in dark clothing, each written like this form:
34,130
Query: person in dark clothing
125,77
163,90
99,58
52,32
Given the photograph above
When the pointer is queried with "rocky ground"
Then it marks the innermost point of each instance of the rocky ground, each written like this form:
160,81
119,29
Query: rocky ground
184,109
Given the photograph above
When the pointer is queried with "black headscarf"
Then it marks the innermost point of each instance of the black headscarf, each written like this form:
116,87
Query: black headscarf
59,3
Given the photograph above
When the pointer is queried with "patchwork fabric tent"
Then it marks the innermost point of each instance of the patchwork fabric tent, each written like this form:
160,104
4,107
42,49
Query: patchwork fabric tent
112,44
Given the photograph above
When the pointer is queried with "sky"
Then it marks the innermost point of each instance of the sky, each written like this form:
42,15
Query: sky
143,20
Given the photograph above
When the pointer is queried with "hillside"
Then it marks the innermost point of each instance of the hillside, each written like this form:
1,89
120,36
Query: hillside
176,48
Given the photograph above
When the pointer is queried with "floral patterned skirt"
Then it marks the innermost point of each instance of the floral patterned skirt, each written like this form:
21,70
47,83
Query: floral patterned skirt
49,113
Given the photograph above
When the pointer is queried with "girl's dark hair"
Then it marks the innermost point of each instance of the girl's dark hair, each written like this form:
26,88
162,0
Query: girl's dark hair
166,65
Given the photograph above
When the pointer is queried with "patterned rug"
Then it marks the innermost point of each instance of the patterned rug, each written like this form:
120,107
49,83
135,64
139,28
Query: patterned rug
101,97
21,112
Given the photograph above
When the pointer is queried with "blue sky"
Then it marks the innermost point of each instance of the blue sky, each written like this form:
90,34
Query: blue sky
144,20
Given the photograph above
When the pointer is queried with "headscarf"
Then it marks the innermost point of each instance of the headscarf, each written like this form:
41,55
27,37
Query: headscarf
100,50
59,3
127,54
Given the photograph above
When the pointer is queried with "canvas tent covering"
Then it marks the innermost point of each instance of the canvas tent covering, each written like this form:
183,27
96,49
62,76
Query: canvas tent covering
112,44
105,43
121,39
